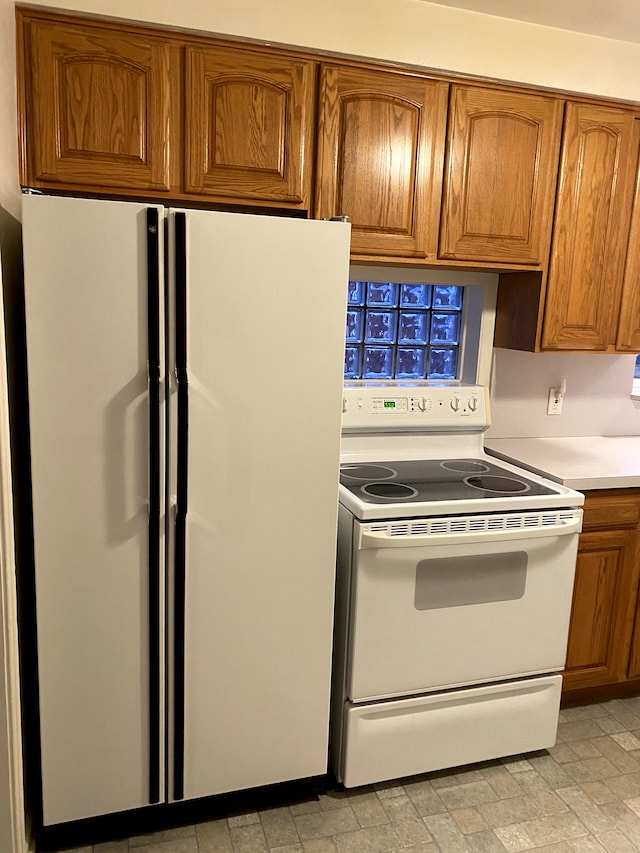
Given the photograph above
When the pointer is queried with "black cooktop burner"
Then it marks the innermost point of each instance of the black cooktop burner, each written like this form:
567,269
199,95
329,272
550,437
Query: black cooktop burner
435,480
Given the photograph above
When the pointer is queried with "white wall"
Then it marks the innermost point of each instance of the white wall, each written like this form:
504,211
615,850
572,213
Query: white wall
410,31
597,400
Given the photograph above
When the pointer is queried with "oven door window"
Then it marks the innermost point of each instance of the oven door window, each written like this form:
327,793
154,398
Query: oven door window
470,579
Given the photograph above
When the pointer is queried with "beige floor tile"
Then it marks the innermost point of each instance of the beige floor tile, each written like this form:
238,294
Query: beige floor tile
469,820
592,816
319,845
409,826
624,819
368,809
615,842
373,839
518,766
386,790
425,798
562,753
447,834
583,748
548,830
618,756
514,838
214,836
582,712
579,730
248,839
586,844
507,812
625,786
505,784
339,799
555,775
610,725
598,792
485,842
590,770
626,740
278,827
330,822
467,795
288,848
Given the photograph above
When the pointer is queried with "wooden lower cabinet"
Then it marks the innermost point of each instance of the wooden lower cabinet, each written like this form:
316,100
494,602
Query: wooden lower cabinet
604,642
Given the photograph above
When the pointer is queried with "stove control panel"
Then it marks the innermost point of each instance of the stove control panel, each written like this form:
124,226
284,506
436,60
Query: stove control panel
430,406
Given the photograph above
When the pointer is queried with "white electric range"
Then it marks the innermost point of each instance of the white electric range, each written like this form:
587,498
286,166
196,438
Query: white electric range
454,585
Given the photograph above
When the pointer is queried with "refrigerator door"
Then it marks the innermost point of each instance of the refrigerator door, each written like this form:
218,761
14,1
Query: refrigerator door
259,356
90,319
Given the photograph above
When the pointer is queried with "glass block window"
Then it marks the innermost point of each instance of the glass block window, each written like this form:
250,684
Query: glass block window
402,331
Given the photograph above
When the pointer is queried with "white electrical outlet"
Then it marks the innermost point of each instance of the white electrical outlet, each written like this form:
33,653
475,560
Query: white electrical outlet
554,406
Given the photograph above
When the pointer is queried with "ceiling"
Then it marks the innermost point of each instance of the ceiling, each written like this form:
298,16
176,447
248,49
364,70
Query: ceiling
615,19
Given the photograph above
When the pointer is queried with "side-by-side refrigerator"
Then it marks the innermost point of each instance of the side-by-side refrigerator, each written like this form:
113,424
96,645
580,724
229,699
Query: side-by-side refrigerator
184,381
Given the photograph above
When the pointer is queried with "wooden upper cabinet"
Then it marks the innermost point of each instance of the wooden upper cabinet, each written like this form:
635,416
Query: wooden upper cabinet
500,178
249,125
591,229
97,107
380,158
628,339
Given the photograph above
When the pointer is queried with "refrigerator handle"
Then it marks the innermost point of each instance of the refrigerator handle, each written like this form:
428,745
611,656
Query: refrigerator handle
180,243
153,372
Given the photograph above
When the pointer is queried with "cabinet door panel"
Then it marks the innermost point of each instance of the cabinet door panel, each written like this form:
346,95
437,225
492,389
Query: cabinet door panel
591,228
248,125
596,652
380,150
500,176
98,106
629,322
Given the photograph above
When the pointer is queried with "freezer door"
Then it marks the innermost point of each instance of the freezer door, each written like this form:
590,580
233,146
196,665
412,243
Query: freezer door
260,343
88,316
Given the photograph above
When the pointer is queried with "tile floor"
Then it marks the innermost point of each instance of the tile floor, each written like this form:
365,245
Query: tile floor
582,796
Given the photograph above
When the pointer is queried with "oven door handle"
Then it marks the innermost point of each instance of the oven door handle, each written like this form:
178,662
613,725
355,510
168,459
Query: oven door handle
391,535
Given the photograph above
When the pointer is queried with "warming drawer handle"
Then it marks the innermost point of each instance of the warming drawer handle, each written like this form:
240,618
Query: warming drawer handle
385,539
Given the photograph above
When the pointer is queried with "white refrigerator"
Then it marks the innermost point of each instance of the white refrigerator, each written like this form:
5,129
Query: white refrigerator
184,382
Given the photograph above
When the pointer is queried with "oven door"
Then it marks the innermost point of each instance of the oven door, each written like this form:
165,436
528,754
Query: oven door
441,603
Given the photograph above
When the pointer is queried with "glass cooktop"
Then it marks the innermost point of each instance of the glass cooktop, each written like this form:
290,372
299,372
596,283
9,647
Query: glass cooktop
435,480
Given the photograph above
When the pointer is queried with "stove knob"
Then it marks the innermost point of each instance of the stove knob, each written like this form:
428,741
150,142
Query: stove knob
345,404
455,403
473,404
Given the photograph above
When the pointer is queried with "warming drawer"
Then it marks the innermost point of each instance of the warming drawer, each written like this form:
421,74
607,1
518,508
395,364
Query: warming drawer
389,740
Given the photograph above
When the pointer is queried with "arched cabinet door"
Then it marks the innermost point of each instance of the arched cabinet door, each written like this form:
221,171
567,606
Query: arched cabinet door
628,339
380,157
500,176
98,112
249,124
591,229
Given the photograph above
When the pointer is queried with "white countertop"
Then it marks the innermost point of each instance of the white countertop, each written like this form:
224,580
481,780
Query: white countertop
585,462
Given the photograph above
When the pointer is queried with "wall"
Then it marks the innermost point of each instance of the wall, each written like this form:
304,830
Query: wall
597,400
410,31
